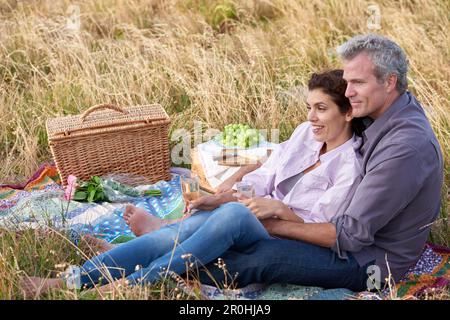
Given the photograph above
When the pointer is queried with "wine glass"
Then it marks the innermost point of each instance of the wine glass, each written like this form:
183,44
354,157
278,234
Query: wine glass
245,189
190,186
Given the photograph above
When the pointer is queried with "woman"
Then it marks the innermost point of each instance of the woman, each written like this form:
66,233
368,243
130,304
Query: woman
309,179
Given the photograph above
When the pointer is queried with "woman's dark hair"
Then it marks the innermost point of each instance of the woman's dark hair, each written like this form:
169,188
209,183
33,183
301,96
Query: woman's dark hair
333,84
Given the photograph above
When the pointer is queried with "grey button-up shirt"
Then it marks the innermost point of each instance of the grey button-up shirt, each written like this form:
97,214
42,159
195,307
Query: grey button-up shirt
399,196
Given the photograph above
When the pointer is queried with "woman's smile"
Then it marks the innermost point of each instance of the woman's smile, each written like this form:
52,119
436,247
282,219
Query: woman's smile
317,129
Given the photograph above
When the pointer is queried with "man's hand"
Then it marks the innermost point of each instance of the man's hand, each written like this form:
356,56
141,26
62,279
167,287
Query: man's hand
321,234
271,225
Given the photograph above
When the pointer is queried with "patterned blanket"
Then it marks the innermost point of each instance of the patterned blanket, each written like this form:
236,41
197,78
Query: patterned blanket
40,202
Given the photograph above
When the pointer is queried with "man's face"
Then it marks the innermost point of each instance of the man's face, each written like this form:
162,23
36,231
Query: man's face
367,96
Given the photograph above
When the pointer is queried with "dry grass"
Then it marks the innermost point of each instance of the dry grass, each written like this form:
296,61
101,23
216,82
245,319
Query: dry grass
48,253
212,61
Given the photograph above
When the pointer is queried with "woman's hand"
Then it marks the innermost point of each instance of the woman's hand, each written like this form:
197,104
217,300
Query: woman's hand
237,176
210,202
207,203
264,208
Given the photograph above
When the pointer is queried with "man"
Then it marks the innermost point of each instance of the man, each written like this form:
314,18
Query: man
385,227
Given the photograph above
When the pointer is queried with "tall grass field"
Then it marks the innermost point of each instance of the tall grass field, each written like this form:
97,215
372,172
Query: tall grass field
212,61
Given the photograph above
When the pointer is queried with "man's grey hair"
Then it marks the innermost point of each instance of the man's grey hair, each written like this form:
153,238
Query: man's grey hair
387,57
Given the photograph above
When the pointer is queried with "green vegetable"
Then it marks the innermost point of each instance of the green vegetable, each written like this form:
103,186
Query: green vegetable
93,190
80,196
152,192
90,191
122,188
239,135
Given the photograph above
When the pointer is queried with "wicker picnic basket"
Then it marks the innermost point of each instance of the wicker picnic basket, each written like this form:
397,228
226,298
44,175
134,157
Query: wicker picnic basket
113,140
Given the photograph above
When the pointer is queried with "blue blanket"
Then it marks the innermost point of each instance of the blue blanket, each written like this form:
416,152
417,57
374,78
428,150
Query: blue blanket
44,205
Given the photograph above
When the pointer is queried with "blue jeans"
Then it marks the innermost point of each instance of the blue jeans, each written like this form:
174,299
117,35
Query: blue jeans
202,238
232,233
288,261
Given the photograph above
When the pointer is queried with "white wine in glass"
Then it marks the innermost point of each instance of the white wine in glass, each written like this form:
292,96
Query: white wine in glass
191,187
246,189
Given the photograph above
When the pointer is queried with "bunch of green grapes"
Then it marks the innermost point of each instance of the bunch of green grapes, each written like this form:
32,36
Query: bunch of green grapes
239,135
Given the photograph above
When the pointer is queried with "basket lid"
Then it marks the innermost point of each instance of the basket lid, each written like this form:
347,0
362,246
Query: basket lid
111,118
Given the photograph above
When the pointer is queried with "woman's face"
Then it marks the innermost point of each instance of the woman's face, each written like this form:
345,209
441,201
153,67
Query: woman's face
328,123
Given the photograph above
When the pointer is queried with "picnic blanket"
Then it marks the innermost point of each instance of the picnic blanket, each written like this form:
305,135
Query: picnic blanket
40,202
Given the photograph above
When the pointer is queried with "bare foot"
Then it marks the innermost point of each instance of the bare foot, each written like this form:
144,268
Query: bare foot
33,287
97,244
142,222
